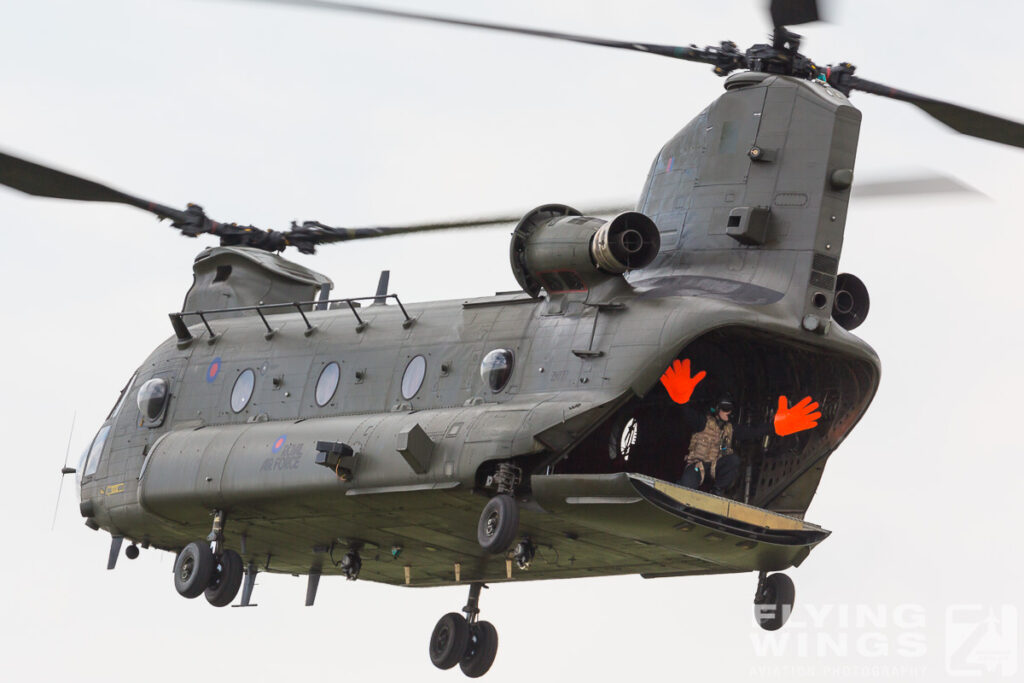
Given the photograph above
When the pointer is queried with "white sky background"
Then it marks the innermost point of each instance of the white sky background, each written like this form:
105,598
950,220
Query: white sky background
266,114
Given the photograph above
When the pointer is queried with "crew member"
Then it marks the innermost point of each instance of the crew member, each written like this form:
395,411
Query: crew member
711,455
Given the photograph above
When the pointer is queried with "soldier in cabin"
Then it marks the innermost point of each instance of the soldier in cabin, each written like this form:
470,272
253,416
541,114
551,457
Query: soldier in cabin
711,453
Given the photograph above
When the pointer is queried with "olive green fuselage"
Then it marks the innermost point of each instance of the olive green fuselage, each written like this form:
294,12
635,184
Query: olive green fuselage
743,285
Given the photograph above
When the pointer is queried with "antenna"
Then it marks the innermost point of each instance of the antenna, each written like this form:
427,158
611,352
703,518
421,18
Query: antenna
382,287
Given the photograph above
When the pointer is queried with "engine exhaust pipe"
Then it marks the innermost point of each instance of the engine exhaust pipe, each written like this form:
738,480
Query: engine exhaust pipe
630,240
851,302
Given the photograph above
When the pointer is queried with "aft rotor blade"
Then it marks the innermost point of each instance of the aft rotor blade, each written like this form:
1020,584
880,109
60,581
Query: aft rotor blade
43,181
688,53
314,232
961,119
794,12
933,184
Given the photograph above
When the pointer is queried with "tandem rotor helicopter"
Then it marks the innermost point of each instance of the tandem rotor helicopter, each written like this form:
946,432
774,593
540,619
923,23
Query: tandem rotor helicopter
284,429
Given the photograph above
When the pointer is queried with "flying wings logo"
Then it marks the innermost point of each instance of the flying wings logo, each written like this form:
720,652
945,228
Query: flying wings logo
981,641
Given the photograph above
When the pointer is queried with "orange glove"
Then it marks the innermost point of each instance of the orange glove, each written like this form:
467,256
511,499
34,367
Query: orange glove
803,415
678,382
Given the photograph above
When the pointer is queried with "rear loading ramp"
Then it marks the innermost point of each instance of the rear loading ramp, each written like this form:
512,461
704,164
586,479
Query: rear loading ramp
682,531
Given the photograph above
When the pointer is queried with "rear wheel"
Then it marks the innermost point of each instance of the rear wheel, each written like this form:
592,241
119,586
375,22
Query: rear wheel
226,580
449,640
775,603
480,652
193,569
499,524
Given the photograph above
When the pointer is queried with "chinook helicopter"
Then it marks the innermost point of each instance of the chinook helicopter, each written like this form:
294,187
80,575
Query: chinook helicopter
596,352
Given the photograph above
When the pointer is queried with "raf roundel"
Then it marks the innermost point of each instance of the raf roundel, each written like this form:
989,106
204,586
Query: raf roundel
213,370
278,444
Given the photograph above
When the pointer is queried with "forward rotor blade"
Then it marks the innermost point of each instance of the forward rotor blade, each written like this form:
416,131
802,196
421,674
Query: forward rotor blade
43,181
688,53
961,119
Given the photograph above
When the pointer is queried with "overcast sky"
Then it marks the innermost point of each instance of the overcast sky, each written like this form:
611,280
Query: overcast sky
267,114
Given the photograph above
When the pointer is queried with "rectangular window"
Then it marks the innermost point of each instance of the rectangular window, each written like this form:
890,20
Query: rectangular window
96,451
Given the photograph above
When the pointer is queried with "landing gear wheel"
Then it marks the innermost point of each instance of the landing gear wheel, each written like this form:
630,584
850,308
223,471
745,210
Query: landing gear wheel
449,640
499,524
226,580
483,646
193,569
774,604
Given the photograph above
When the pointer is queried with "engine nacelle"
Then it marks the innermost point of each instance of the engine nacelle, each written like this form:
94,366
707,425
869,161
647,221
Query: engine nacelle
561,250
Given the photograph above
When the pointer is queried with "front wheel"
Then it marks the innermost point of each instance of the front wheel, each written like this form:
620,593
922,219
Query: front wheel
193,569
499,524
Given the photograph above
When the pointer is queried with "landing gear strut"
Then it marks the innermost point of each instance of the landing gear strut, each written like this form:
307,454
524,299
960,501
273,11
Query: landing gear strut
773,600
464,640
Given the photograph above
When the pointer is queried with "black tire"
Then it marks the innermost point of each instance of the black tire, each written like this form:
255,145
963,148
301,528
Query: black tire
499,524
192,569
480,652
774,605
226,580
449,640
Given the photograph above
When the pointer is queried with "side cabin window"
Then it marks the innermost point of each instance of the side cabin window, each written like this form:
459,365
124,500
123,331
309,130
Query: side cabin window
152,400
496,369
327,383
241,392
412,379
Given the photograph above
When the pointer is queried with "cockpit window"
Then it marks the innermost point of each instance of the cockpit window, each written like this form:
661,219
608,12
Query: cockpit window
121,398
93,459
152,400
242,391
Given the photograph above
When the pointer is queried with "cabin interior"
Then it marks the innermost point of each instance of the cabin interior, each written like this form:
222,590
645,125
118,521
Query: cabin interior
648,435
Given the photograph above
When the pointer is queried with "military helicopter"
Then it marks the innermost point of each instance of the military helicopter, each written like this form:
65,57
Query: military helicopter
587,325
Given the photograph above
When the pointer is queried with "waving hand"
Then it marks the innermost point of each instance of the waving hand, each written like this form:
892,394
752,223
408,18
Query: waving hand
803,415
678,382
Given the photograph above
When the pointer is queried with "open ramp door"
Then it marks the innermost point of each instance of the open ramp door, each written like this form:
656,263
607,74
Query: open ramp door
631,523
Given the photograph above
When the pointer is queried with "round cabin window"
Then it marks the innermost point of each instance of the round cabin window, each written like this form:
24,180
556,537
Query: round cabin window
496,369
152,398
242,391
412,380
327,384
